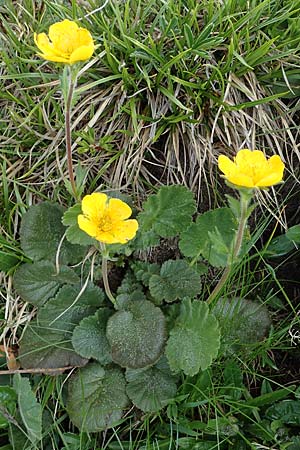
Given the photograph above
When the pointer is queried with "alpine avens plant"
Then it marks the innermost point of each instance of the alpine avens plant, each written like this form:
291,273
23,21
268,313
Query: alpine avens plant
132,339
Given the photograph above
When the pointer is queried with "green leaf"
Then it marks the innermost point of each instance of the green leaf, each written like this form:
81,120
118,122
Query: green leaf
279,246
136,334
211,237
270,397
41,233
233,381
30,409
168,212
295,443
152,388
173,98
74,234
143,271
89,337
195,340
293,234
46,342
129,290
176,281
38,282
243,322
44,348
96,398
145,239
7,261
287,411
223,426
8,400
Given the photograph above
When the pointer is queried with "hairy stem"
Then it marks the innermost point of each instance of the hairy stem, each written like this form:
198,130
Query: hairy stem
236,250
105,276
68,107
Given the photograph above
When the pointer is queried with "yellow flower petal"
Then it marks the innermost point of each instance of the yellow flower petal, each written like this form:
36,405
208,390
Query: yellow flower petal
81,54
62,29
84,37
87,225
107,238
54,58
255,156
270,180
226,165
242,180
126,230
94,205
276,164
42,42
118,210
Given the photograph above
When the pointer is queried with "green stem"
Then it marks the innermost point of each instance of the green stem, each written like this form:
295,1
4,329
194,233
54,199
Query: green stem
105,275
236,249
68,107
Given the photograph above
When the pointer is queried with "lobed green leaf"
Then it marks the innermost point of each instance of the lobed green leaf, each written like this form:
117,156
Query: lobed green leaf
211,237
74,234
175,281
168,212
195,340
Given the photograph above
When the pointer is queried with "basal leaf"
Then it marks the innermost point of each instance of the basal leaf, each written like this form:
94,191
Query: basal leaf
136,334
195,340
89,337
30,410
47,340
145,239
143,271
129,290
243,322
96,398
152,388
176,281
45,348
211,237
74,234
41,233
38,282
168,212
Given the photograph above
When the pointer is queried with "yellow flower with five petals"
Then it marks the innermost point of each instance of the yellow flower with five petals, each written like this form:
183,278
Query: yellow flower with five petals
68,43
251,169
105,219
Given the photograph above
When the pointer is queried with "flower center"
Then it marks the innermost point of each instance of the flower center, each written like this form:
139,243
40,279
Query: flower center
105,224
65,44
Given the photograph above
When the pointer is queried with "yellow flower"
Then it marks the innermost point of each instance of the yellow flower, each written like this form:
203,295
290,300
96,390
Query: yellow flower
252,169
68,43
105,219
